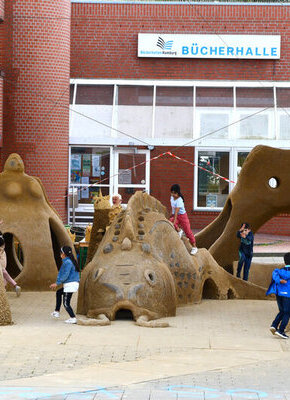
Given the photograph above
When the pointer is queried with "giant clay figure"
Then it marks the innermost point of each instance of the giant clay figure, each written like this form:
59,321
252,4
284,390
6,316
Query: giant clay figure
142,266
254,199
29,218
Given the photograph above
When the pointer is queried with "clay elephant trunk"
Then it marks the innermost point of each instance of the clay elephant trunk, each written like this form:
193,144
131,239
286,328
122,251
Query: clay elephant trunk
262,191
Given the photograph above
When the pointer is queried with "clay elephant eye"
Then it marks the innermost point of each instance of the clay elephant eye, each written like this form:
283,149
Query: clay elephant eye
150,277
273,182
98,274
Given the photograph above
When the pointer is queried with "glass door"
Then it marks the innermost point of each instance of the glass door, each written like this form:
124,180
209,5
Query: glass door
240,156
90,172
131,172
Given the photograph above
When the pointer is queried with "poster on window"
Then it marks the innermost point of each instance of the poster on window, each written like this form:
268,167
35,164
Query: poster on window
96,165
86,164
85,190
76,161
75,176
211,200
125,176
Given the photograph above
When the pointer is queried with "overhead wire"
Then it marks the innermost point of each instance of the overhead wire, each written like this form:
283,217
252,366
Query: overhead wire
131,136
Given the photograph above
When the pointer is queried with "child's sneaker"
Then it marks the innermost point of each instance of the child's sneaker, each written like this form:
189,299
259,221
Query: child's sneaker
193,251
55,314
18,290
180,233
71,321
273,330
282,335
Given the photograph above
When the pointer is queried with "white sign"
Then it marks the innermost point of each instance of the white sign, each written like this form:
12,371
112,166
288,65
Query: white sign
125,176
209,46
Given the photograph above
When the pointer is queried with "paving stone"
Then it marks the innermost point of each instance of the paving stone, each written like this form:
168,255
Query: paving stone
163,395
130,394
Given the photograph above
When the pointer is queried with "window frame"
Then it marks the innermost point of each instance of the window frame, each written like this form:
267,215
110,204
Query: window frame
113,139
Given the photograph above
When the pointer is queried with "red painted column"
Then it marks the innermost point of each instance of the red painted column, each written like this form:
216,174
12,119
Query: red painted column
36,91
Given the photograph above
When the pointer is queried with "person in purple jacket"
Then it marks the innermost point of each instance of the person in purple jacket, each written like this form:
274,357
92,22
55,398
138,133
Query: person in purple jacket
280,286
69,277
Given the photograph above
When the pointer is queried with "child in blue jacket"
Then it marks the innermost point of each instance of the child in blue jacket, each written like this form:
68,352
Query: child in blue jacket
280,285
245,250
69,277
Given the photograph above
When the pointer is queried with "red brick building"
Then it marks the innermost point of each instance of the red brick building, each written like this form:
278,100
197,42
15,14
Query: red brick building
126,108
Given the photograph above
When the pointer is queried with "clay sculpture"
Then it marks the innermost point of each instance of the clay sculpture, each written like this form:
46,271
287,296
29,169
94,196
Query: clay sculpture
102,209
28,216
142,266
262,191
5,313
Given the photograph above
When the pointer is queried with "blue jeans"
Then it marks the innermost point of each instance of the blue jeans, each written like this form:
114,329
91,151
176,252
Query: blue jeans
283,315
246,261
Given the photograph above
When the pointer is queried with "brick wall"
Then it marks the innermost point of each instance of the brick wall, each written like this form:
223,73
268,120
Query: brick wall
165,171
104,40
1,111
104,45
1,9
36,91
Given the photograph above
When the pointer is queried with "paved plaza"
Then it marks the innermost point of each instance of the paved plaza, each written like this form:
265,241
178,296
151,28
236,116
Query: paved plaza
213,350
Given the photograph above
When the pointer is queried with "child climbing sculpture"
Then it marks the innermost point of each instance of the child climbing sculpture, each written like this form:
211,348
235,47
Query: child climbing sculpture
180,218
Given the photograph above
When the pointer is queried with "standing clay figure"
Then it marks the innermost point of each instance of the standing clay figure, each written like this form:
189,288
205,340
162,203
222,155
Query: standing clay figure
28,216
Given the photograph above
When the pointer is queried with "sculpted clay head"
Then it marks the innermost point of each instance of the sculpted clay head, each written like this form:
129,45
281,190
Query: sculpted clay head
29,219
14,163
137,283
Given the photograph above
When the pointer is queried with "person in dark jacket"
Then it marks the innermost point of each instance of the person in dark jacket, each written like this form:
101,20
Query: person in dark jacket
69,277
245,250
280,286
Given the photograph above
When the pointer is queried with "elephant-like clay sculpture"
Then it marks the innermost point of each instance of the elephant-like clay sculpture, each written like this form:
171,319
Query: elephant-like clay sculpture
29,218
143,267
262,191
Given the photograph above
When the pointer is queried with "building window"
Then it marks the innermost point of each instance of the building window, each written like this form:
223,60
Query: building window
134,110
214,108
170,112
71,93
212,191
283,110
90,171
255,110
93,112
242,155
174,112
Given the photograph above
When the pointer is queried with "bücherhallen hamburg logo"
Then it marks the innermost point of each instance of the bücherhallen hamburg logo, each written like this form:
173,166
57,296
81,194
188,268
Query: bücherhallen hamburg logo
164,45
209,46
